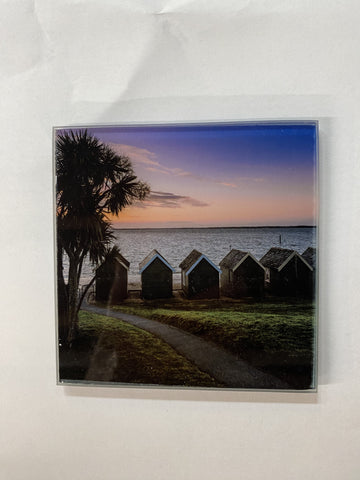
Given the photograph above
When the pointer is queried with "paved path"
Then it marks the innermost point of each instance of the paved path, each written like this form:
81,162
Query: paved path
221,365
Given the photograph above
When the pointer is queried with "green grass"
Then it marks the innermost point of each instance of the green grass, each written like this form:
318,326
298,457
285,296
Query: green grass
277,337
141,358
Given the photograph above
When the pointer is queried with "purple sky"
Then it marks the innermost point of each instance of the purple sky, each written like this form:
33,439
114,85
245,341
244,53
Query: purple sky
220,175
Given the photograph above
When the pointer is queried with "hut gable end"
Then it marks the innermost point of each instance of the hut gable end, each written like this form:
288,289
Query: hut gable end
112,280
120,259
295,254
193,259
232,259
156,277
110,265
288,273
242,275
310,256
276,257
235,258
190,260
154,254
199,276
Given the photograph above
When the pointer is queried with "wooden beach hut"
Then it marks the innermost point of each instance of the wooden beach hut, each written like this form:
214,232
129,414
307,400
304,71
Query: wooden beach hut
242,275
156,276
199,276
287,273
111,280
310,256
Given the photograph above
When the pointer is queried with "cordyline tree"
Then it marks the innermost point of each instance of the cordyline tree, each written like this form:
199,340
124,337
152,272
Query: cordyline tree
92,181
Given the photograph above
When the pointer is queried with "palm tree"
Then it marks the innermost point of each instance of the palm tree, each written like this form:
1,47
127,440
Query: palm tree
91,182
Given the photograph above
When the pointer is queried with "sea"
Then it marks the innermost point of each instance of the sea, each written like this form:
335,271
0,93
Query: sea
174,244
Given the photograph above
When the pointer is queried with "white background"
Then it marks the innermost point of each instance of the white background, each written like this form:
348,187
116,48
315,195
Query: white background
86,61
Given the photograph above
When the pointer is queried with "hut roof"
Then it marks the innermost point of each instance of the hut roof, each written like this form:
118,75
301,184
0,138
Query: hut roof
150,258
232,258
277,258
310,256
235,258
122,260
190,260
117,258
193,259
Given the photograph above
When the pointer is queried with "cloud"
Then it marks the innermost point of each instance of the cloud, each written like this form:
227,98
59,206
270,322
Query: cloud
136,154
148,159
157,170
177,172
170,200
226,184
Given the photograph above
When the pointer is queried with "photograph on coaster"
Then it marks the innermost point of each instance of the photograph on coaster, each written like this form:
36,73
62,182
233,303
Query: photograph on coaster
186,255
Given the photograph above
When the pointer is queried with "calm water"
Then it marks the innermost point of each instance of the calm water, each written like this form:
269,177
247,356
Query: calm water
176,243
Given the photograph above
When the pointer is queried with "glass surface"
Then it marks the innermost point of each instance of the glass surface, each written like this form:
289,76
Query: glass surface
186,255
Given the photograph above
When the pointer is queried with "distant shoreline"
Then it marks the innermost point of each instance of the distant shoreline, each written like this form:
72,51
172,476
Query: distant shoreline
214,228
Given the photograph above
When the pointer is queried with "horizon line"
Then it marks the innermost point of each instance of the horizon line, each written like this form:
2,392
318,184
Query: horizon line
213,227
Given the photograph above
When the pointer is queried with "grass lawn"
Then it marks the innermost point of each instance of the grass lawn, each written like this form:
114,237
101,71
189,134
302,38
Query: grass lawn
274,336
136,356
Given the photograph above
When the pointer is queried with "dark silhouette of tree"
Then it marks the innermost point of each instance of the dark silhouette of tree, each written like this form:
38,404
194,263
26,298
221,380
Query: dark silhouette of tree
92,181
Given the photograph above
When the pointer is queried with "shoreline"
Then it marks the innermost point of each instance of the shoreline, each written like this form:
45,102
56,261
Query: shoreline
214,228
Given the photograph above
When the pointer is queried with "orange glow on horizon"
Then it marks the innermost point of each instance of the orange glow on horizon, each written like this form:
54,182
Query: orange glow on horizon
224,213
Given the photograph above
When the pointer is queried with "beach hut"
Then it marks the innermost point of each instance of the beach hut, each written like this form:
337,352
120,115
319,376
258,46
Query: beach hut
241,275
156,276
287,273
310,256
111,280
199,276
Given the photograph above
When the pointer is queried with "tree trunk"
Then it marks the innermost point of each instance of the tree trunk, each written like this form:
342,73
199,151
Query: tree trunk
84,294
73,286
62,297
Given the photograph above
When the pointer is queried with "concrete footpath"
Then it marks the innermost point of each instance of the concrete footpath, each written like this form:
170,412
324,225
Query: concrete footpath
221,365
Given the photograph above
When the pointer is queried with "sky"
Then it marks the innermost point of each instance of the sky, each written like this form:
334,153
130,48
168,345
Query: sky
219,175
